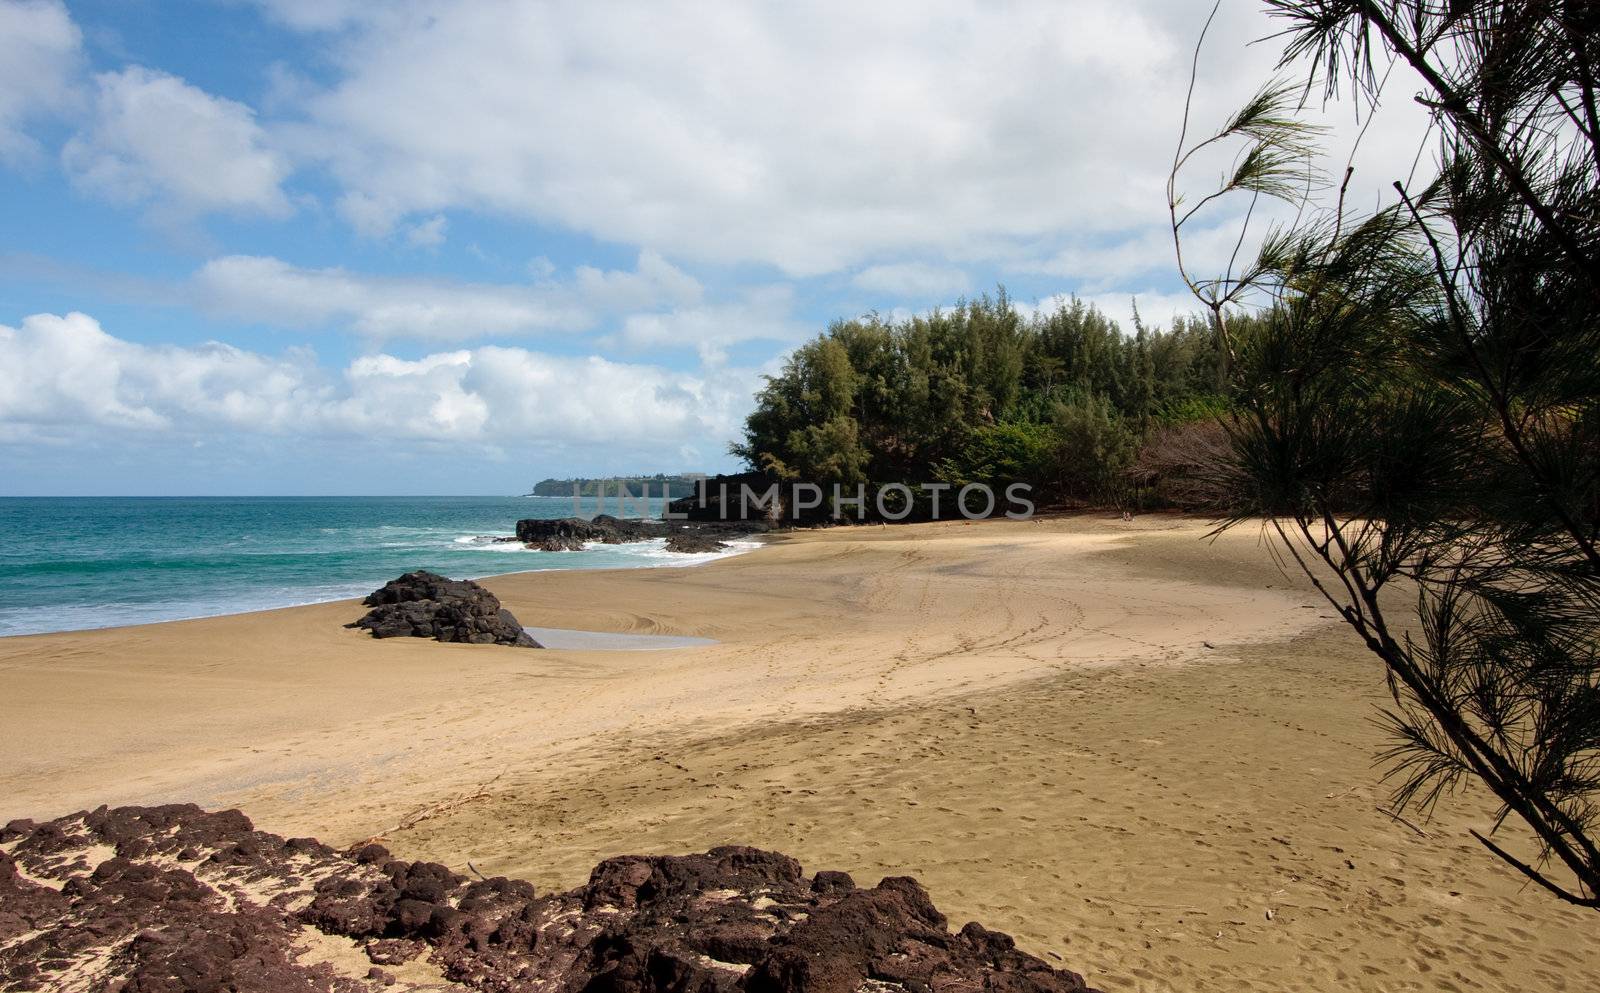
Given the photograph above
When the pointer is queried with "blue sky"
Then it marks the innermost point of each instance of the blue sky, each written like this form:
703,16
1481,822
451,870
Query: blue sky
315,246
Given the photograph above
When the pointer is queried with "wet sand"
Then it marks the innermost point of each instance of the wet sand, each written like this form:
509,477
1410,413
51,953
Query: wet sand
1123,744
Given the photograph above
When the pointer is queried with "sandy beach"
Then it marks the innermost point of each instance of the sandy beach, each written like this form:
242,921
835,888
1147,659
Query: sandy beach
1148,756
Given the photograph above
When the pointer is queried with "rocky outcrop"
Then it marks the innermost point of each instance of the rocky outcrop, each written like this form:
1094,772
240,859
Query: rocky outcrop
425,604
692,542
566,534
572,533
171,899
736,498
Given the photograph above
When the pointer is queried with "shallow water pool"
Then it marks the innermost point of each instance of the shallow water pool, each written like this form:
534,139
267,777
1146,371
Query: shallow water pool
604,641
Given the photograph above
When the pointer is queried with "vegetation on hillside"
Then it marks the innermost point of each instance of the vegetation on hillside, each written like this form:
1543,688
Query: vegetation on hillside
658,485
1062,399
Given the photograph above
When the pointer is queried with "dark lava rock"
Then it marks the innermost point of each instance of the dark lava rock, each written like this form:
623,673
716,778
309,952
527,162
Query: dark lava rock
170,899
425,604
566,534
556,544
736,498
690,542
572,533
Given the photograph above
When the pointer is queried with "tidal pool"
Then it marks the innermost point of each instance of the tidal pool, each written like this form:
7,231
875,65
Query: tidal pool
605,641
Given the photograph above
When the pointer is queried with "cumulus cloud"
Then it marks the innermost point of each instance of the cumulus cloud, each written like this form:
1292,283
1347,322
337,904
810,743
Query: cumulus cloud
654,281
156,140
40,49
318,15
1027,138
762,313
272,291
1157,308
809,139
64,376
1149,255
269,290
813,139
428,233
66,373
912,279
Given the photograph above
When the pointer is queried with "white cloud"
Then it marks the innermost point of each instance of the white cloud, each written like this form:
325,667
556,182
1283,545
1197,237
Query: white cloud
913,279
1025,138
1156,308
40,52
316,15
428,233
762,313
814,138
653,282
269,290
63,377
1147,254
154,139
65,373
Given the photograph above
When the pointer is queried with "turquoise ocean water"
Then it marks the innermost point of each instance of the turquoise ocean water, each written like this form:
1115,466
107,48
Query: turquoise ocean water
70,563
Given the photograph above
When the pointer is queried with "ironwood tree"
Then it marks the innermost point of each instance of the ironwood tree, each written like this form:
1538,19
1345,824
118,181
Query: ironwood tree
1415,410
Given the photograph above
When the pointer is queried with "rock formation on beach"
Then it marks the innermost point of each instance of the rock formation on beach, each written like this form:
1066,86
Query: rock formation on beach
572,533
691,542
171,899
425,604
569,534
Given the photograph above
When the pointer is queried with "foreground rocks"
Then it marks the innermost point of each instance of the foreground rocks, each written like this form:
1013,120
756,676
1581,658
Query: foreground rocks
425,604
569,534
170,899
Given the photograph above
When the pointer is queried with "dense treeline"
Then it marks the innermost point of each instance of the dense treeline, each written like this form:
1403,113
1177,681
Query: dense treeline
1062,399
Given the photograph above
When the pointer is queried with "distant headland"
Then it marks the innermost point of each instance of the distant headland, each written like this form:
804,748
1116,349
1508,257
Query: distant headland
635,486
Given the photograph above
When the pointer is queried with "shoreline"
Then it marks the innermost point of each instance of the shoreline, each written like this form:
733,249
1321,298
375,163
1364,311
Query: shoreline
758,539
743,602
1116,741
701,559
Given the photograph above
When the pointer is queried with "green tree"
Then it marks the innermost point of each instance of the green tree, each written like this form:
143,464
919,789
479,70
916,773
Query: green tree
1096,446
1419,410
803,426
975,393
1001,454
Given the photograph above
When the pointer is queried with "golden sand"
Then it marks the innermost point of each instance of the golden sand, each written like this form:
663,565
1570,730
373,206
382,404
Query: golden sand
1148,756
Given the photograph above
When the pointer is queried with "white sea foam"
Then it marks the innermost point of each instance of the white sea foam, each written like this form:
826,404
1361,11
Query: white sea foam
656,551
649,553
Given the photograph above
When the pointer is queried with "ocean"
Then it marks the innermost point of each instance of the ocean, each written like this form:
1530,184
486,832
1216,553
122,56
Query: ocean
71,563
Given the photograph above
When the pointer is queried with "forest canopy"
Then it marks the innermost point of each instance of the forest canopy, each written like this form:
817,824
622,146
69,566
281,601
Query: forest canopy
1063,399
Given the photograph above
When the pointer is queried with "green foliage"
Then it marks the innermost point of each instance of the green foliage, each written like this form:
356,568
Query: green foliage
980,393
830,450
1198,407
1097,446
1416,407
657,485
1001,454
